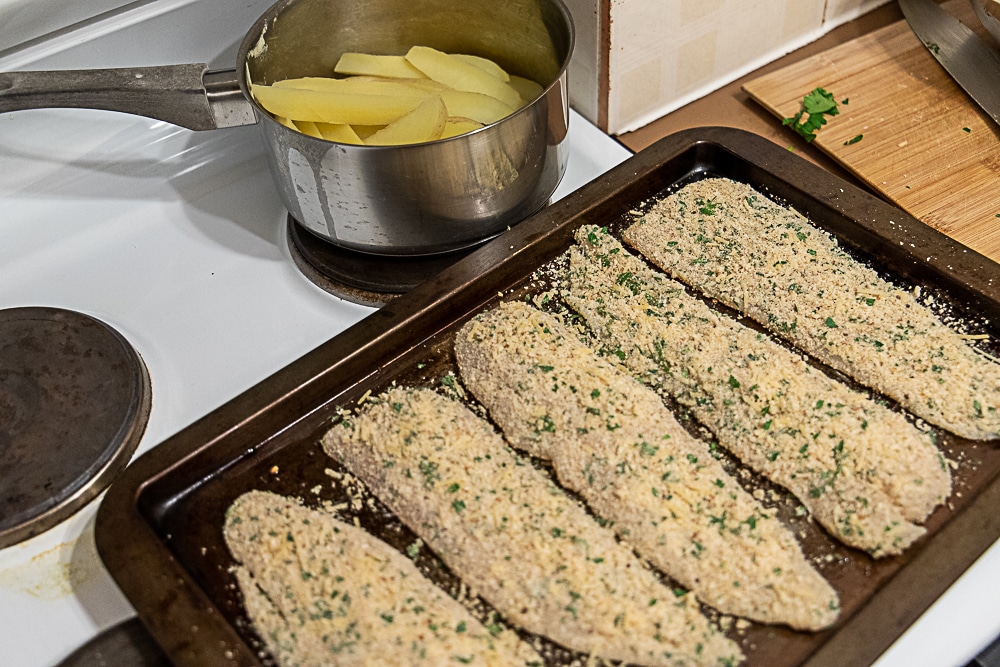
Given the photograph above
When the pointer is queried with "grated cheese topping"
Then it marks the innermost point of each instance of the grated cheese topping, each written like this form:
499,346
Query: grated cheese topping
735,245
614,442
866,474
320,591
509,532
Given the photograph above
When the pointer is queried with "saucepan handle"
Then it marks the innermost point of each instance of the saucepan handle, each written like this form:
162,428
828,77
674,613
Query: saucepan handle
186,95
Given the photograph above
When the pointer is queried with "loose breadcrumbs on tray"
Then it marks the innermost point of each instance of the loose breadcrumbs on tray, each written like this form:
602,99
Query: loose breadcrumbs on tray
614,442
734,244
320,591
510,533
865,473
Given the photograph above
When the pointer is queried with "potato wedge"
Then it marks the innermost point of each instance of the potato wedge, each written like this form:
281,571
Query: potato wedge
364,85
428,85
381,89
308,83
343,134
307,127
425,123
365,131
456,125
460,75
396,67
528,90
484,64
478,107
337,108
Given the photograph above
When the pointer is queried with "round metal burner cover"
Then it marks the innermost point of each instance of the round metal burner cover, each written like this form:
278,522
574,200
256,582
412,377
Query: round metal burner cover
74,401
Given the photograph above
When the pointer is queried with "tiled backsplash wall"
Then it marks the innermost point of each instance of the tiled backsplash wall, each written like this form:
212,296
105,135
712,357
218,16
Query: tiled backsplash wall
637,60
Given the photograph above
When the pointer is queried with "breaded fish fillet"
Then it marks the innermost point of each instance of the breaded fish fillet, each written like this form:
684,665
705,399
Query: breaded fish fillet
512,535
320,592
735,245
865,473
614,442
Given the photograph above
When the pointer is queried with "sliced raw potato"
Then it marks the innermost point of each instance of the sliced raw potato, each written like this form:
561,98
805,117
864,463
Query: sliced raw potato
456,125
308,127
365,131
428,85
478,107
425,123
460,75
528,90
338,108
344,134
364,85
309,83
396,67
484,64
380,91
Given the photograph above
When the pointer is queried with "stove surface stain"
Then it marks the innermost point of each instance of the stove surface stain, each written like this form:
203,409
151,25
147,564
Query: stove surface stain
56,572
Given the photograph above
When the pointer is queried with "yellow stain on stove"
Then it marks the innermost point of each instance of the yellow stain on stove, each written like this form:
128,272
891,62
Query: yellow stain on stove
55,573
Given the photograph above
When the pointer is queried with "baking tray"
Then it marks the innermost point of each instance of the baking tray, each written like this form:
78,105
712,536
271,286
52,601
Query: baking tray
159,528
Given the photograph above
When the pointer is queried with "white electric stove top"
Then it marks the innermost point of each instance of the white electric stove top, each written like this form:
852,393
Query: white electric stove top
177,240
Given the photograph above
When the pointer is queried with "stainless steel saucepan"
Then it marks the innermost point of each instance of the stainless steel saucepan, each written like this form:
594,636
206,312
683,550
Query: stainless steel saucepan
418,199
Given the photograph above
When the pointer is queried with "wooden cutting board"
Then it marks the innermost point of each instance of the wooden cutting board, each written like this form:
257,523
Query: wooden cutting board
925,144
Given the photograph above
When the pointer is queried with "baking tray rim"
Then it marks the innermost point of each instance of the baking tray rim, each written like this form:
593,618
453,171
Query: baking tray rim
186,623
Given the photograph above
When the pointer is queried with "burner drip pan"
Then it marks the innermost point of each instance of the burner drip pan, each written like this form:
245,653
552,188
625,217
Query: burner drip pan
74,402
366,279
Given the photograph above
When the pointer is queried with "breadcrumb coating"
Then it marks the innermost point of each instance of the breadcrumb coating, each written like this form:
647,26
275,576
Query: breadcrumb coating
511,534
866,474
733,244
614,442
320,591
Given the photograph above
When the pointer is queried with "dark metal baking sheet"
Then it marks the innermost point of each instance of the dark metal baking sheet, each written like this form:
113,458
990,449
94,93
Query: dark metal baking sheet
159,527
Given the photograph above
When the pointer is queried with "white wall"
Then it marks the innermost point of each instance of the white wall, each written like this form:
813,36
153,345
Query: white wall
666,53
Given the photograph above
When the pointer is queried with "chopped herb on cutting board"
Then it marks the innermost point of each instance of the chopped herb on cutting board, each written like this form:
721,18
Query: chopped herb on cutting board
815,107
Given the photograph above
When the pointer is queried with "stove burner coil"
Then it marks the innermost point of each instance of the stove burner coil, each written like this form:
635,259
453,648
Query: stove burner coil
362,278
